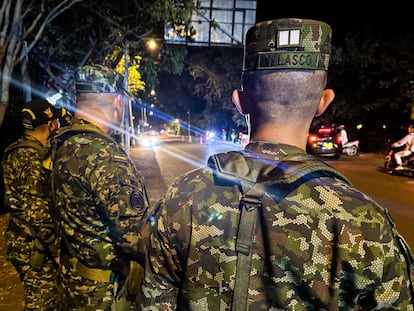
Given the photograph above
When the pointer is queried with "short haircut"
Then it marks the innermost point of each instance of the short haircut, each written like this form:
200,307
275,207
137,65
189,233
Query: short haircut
90,100
284,95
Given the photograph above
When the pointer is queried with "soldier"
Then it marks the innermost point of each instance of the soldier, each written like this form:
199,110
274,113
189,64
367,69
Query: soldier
32,244
98,196
270,227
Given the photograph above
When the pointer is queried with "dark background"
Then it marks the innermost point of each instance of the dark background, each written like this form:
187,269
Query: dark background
391,17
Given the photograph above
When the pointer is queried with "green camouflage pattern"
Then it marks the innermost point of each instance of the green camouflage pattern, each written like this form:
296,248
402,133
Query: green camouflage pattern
78,293
27,202
289,43
324,246
99,202
98,79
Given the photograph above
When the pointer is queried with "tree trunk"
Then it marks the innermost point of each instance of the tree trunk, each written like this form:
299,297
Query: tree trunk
10,57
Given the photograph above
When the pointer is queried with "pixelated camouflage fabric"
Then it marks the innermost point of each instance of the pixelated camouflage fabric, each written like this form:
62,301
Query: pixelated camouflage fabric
324,246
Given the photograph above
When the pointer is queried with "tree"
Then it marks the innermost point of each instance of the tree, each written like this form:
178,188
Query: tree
372,74
87,33
22,25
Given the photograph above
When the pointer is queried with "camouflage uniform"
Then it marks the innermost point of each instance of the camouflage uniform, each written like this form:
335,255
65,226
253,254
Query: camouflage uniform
324,246
99,200
27,201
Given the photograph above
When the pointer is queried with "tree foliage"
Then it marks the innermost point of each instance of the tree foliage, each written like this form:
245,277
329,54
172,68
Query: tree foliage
372,75
371,70
85,32
22,24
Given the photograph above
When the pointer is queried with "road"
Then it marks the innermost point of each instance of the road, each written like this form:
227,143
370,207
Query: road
161,164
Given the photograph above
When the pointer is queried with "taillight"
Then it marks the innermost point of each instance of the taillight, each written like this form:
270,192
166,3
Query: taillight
325,130
339,139
312,138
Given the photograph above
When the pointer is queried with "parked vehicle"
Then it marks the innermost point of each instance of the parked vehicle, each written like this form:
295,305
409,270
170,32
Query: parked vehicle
390,163
351,147
325,142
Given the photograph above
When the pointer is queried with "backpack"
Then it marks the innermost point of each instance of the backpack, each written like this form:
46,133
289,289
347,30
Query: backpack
254,175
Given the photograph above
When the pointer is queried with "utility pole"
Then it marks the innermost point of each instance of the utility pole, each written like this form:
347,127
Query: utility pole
129,121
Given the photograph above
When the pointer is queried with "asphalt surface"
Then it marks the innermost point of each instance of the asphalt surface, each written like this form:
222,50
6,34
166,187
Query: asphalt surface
11,289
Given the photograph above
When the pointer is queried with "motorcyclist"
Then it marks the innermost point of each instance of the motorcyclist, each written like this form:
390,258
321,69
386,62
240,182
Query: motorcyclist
408,141
343,134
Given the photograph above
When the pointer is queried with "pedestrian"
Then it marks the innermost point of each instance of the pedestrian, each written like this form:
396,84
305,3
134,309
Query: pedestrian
98,196
270,227
32,243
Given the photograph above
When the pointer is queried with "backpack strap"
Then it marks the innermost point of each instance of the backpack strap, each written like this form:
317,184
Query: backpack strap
249,206
254,175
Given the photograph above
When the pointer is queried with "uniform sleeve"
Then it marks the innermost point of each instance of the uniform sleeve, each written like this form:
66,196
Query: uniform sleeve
165,252
120,189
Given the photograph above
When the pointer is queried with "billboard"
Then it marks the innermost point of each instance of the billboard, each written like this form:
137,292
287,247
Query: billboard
215,23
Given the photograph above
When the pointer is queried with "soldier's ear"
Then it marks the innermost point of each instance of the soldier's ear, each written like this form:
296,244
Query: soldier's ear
238,99
119,105
328,96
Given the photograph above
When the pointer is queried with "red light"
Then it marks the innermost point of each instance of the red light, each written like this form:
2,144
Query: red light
325,130
312,138
339,139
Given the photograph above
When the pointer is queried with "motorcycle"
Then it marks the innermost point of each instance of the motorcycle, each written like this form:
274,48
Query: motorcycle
351,147
407,162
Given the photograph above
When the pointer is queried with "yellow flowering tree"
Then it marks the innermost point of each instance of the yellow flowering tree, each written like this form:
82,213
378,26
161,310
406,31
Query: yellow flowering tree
135,82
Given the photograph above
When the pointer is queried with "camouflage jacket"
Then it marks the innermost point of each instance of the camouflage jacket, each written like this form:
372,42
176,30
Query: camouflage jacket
99,197
26,193
322,246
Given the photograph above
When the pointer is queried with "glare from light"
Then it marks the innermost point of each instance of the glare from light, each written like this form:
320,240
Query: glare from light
152,44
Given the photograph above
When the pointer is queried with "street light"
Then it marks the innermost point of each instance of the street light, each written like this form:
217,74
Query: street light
152,44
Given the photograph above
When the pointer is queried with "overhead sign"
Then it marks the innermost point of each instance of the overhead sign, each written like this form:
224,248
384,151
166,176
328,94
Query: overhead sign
215,23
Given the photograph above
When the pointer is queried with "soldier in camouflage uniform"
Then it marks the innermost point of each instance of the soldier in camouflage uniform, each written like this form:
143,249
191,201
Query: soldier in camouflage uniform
32,243
317,243
98,196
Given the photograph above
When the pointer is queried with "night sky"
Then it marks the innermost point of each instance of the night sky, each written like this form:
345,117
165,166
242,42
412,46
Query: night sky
393,17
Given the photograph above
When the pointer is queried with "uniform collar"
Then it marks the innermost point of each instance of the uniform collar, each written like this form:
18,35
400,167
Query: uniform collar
271,150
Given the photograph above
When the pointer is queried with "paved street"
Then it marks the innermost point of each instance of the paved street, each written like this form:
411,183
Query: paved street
11,290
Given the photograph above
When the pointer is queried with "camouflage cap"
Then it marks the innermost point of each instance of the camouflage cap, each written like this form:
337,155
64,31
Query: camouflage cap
288,43
97,79
37,112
